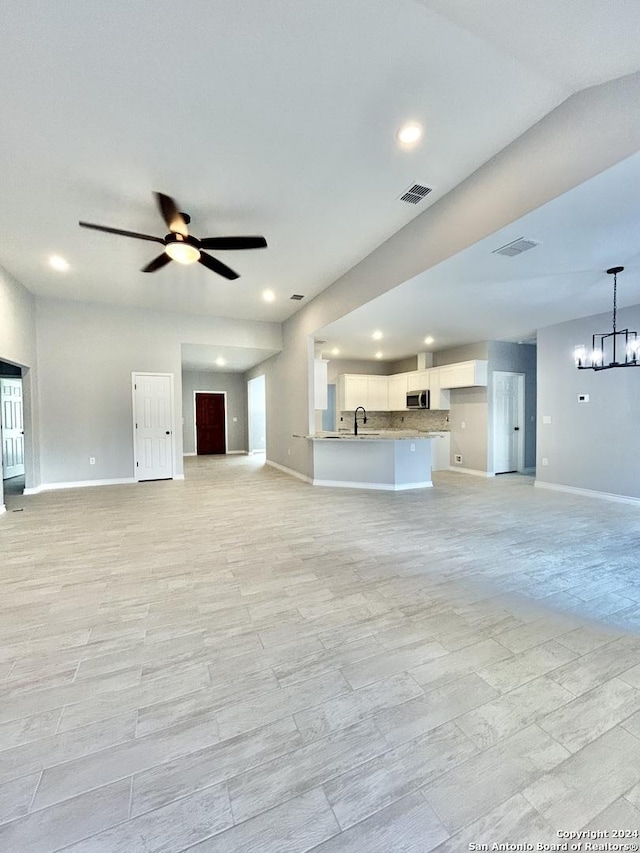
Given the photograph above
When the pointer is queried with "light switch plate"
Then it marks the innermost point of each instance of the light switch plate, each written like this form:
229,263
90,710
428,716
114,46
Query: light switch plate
546,419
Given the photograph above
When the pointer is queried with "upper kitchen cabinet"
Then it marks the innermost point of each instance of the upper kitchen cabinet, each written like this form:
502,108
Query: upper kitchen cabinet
378,393
418,380
355,390
463,374
398,387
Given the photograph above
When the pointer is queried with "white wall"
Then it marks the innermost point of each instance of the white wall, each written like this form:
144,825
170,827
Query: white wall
235,387
18,346
594,445
86,354
605,115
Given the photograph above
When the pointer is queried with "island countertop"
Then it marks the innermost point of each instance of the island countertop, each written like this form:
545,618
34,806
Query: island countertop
373,459
373,435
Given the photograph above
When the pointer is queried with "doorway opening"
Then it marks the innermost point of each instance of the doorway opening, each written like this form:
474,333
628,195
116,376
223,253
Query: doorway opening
12,430
210,422
257,407
508,422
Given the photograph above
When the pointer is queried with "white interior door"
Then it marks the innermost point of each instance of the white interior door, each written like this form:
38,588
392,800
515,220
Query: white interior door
153,425
508,422
12,428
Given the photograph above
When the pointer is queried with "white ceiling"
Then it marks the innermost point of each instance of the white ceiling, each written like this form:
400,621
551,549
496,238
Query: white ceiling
274,118
237,359
477,295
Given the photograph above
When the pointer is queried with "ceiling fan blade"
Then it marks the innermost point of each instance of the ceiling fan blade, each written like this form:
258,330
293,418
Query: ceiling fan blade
233,243
121,232
217,266
171,215
157,263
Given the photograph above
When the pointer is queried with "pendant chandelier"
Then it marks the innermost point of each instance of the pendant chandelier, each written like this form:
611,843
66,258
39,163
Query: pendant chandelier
618,348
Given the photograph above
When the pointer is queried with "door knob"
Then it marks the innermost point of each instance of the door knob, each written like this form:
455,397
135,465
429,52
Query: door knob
516,428
168,433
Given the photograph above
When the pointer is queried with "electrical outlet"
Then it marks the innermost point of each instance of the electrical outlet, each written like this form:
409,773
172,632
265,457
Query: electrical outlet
545,461
235,420
92,460
583,398
288,451
457,459
412,448
546,419
463,425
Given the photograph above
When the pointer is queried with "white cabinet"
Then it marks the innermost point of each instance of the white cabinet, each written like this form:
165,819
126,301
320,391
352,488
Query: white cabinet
355,390
418,380
440,450
378,393
464,374
320,384
398,388
388,393
439,397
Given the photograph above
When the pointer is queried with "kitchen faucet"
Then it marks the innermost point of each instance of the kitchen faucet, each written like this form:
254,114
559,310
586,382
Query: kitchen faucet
355,419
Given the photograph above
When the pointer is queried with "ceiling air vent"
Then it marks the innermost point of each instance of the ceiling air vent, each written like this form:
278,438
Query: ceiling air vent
415,194
297,296
516,247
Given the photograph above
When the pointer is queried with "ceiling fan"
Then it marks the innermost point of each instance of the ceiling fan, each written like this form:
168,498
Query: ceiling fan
180,246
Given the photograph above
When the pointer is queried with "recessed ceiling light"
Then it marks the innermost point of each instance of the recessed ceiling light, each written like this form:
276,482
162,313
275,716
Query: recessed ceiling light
268,295
221,361
335,351
377,336
409,133
428,340
378,354
58,263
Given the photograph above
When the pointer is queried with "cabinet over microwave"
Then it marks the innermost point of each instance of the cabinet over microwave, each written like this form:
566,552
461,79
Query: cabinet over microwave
417,399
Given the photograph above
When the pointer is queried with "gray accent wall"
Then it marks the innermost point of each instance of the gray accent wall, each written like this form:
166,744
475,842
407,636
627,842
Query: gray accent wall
469,407
338,366
594,445
86,355
235,387
468,352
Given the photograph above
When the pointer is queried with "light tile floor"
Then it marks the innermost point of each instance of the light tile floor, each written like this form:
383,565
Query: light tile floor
241,662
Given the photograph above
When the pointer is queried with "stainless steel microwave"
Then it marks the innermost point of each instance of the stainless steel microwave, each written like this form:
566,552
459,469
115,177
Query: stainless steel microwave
417,399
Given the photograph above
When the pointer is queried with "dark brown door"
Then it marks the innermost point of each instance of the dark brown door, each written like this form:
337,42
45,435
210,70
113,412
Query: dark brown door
210,424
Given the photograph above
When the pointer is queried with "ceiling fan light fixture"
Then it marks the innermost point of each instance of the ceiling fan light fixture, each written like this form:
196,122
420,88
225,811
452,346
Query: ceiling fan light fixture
58,263
182,252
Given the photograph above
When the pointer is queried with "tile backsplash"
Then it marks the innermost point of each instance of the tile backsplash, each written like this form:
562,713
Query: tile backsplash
423,419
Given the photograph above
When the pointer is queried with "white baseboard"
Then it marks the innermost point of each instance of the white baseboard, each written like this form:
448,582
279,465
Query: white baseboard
471,471
587,493
189,454
51,487
236,453
386,487
2,508
290,471
179,477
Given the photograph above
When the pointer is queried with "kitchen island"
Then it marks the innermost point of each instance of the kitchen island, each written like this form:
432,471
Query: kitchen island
392,460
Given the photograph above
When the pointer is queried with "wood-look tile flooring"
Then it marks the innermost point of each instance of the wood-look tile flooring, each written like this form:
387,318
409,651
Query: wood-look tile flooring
242,662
